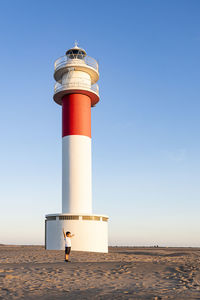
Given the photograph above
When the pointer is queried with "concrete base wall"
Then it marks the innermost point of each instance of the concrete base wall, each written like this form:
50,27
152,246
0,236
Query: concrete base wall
90,235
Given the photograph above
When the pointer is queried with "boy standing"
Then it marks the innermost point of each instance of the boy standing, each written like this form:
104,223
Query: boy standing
67,238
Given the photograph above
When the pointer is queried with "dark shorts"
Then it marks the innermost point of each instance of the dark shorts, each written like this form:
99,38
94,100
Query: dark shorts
67,250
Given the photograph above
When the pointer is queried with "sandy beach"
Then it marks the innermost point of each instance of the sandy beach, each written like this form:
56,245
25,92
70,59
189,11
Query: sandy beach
31,272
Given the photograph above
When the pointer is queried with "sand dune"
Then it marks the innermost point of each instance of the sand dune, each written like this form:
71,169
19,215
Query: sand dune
30,272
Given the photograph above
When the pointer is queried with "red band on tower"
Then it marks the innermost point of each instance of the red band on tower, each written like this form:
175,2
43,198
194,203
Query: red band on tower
76,115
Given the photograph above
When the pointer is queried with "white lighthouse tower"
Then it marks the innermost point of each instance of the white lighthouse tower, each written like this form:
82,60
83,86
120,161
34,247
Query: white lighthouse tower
76,91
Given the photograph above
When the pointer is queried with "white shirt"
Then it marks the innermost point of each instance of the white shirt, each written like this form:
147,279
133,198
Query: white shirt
67,242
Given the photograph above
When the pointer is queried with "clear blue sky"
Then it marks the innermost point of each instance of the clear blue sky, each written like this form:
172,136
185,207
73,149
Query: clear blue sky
145,130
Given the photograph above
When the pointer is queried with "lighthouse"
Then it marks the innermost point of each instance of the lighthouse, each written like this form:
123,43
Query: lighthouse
76,91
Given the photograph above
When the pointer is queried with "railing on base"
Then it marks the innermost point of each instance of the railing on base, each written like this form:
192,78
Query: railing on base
76,85
65,60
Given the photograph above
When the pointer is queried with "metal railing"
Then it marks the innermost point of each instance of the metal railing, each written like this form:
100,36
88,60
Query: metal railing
65,60
76,85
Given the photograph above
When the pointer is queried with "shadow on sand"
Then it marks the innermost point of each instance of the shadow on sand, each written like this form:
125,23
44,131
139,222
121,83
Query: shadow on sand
153,253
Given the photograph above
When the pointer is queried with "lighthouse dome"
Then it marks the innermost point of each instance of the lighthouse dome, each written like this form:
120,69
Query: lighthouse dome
76,52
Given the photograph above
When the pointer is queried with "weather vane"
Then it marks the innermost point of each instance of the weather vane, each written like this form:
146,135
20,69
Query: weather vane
76,43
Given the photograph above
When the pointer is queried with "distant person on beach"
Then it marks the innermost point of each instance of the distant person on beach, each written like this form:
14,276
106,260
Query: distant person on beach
67,238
